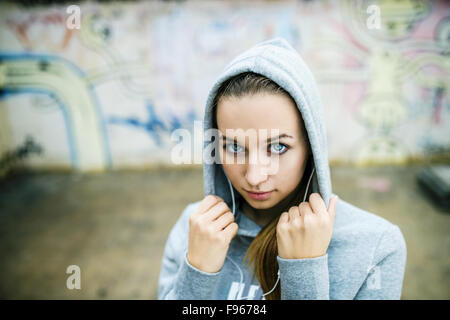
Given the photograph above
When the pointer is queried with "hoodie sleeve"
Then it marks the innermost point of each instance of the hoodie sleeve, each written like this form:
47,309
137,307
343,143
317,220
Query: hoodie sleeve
385,276
307,279
304,279
179,280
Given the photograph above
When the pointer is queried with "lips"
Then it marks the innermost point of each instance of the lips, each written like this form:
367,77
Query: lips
259,195
258,192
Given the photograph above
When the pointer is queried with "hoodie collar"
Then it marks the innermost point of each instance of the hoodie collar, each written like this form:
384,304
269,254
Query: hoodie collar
247,227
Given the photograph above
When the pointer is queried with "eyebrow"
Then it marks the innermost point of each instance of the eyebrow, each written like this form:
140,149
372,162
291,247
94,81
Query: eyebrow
283,135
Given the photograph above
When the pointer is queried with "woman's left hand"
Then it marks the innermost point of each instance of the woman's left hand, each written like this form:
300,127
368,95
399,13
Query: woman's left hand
305,230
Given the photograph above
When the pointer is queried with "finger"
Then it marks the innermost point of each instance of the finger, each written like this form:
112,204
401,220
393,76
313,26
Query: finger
317,204
231,230
293,213
332,206
224,220
284,218
216,211
207,203
304,208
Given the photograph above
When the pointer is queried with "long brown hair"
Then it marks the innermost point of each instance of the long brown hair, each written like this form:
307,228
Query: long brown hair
262,252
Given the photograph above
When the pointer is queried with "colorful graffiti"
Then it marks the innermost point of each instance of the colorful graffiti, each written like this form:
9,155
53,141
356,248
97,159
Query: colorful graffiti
63,81
11,158
153,125
385,68
135,72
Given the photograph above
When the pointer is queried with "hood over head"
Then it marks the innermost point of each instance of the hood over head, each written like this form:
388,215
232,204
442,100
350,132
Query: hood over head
277,60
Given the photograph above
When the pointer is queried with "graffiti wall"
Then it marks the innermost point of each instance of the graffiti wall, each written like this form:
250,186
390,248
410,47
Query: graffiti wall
109,92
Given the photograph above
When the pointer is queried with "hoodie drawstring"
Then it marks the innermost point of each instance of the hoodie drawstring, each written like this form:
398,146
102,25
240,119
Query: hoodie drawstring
232,193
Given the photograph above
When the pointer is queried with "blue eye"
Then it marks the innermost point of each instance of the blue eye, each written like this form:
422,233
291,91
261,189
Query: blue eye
232,150
277,148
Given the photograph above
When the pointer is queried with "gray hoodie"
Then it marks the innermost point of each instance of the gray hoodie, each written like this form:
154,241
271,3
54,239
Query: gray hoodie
367,254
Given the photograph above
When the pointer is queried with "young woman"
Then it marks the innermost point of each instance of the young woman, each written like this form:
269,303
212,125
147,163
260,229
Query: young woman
269,226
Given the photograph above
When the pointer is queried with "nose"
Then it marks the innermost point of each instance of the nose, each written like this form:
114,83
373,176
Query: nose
256,173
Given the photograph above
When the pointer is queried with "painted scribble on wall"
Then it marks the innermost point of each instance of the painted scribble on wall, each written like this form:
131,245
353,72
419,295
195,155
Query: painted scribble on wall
109,94
395,80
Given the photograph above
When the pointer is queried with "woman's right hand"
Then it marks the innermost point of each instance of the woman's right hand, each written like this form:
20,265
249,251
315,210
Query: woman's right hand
211,228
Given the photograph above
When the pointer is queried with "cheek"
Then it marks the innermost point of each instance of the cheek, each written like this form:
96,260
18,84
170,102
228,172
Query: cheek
232,171
291,170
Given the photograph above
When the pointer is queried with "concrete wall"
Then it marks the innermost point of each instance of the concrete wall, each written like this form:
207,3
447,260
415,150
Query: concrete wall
109,95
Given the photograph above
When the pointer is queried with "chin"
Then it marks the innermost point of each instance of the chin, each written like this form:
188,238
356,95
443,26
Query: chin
261,204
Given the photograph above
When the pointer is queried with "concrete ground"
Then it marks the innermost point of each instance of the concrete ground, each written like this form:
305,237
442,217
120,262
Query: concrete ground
114,227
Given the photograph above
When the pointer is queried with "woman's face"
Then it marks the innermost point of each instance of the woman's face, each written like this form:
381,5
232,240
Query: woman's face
249,163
